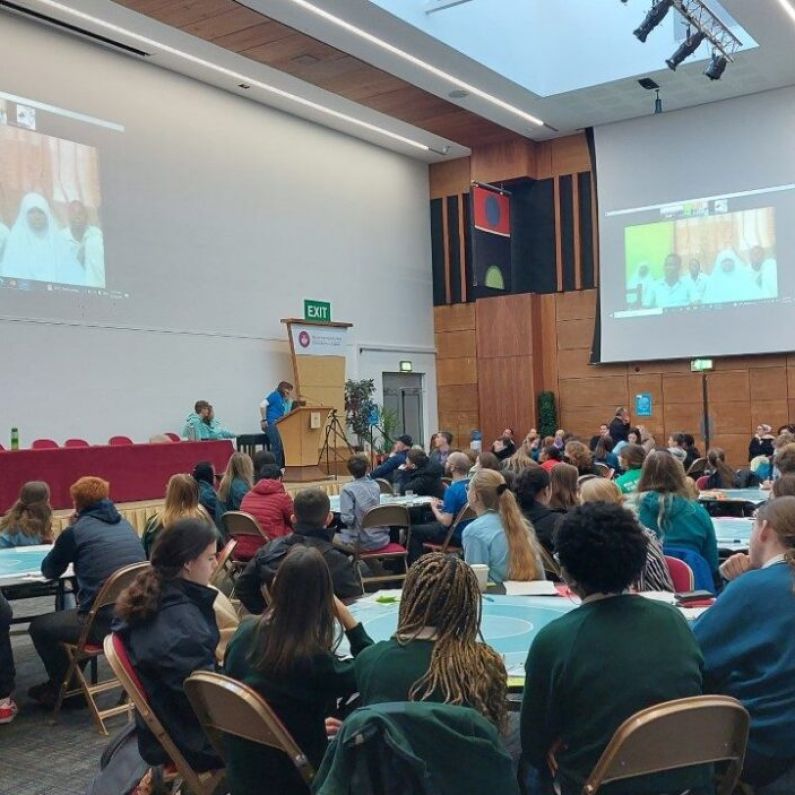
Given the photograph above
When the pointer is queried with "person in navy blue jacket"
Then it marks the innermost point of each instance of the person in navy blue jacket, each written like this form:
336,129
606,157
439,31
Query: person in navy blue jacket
748,641
97,543
397,458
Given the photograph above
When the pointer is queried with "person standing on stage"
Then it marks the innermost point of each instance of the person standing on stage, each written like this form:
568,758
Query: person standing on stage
273,408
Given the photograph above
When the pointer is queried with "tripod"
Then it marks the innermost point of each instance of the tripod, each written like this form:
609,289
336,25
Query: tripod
334,431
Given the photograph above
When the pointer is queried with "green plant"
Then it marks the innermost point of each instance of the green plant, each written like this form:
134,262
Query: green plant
359,406
547,414
389,426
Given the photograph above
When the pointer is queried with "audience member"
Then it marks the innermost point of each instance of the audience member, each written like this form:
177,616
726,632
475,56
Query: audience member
196,428
654,575
518,462
182,502
647,441
421,475
500,537
504,447
762,442
533,493
632,458
579,456
719,474
287,656
784,459
215,429
563,488
8,707
550,456
269,503
29,520
167,625
692,453
486,460
676,447
748,641
560,438
619,426
272,409
97,543
204,475
397,458
356,499
665,506
604,430
236,482
616,654
603,454
262,458
436,653
440,447
444,511
311,520
784,486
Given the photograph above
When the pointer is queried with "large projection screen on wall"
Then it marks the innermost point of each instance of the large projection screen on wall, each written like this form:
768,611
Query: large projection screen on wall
697,231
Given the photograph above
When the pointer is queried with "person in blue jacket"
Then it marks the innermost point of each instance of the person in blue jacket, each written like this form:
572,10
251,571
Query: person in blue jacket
273,408
748,641
397,458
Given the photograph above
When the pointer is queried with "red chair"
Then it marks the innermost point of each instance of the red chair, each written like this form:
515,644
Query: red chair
681,574
118,441
702,482
44,444
173,436
76,443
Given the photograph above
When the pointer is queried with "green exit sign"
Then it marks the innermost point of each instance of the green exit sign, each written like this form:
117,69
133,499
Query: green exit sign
317,310
701,365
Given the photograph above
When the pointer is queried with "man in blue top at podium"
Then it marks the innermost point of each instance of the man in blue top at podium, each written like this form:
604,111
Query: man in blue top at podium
273,408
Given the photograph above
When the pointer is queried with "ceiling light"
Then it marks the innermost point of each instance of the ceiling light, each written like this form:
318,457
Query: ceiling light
384,45
788,8
685,49
716,67
653,18
237,77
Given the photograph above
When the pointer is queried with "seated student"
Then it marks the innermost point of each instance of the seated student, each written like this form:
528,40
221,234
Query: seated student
590,669
654,576
784,459
632,457
719,474
676,447
579,456
440,448
444,511
8,707
762,443
604,430
748,641
167,624
533,493
182,502
287,656
486,461
500,536
236,482
214,428
262,458
269,503
666,507
196,427
784,486
29,520
204,475
691,451
563,488
436,653
311,520
603,453
518,462
550,456
504,447
421,475
356,499
388,469
97,543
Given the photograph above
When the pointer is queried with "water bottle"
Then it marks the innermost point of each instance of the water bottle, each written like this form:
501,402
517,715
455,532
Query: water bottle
15,438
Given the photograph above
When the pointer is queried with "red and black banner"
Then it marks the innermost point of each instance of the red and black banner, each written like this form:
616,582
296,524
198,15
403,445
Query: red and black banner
491,239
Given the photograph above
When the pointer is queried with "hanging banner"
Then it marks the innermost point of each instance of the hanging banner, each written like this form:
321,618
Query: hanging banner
318,340
491,238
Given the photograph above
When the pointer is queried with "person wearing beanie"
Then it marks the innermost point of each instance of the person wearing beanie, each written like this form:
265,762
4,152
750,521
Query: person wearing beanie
97,543
397,458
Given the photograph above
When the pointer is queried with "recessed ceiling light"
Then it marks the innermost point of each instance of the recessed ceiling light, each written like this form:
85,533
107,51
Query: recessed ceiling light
385,45
237,77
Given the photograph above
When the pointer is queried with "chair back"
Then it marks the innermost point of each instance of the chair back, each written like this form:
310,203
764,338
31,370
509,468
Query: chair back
173,436
44,444
226,706
224,555
240,523
696,469
676,734
384,485
681,574
118,441
76,443
603,470
387,516
702,482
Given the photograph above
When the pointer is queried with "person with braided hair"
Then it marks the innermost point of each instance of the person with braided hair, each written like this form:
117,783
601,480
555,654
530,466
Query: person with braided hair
167,624
748,641
435,654
500,537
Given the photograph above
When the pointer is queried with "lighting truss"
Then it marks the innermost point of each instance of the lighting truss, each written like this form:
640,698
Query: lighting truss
699,17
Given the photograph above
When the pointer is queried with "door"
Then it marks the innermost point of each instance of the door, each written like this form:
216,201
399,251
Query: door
403,396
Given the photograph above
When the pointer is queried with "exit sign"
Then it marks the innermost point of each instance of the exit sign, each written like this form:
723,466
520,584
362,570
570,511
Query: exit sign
317,310
701,365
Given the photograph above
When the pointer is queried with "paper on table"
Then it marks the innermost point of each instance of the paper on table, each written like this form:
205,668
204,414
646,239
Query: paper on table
532,588
659,596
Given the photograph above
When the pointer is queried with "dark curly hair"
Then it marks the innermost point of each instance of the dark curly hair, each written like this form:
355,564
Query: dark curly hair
602,547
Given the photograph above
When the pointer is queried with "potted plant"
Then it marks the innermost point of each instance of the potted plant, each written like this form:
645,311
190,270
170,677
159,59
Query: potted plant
359,407
547,414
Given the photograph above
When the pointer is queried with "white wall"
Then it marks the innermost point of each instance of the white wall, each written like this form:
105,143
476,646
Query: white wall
220,216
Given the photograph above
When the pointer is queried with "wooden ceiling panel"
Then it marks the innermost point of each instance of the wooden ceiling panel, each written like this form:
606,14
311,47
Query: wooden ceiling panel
248,33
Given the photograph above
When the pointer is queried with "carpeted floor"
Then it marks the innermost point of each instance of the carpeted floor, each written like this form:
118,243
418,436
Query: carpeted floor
36,757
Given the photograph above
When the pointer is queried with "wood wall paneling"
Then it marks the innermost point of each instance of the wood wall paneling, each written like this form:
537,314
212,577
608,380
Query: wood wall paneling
454,317
504,326
456,344
576,305
454,398
506,395
510,159
767,383
449,178
683,388
728,386
575,333
456,371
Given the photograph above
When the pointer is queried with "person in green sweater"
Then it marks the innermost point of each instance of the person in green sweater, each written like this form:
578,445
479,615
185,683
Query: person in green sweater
631,457
435,655
591,669
665,506
287,656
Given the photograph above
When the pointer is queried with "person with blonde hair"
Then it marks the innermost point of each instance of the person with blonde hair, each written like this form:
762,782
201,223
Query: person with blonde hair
182,502
748,641
237,481
518,462
29,520
563,488
500,537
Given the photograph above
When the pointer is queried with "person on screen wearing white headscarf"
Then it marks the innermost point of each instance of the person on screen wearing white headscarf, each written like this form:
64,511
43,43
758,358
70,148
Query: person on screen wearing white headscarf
86,244
642,285
672,290
764,272
35,249
698,280
729,282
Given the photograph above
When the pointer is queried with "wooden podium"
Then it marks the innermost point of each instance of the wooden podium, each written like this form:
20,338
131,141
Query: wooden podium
302,433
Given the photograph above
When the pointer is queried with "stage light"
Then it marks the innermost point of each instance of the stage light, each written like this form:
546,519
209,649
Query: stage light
685,49
716,67
656,15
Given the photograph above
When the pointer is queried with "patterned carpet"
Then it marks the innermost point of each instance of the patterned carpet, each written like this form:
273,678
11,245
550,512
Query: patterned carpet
37,758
